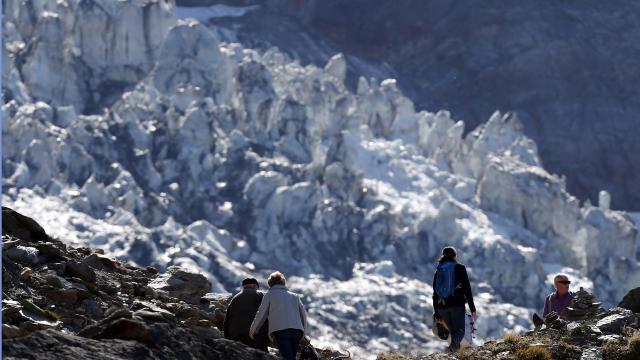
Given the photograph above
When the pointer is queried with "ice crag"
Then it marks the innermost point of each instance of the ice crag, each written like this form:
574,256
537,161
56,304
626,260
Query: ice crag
228,161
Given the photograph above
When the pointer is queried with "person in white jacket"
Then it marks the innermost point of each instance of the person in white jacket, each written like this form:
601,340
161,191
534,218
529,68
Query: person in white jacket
286,314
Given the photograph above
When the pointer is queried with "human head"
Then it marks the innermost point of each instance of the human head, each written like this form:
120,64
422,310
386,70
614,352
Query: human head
250,283
448,253
561,283
276,278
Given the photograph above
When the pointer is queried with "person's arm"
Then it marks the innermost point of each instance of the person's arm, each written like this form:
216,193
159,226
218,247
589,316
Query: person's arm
435,297
546,310
261,315
466,288
303,316
227,320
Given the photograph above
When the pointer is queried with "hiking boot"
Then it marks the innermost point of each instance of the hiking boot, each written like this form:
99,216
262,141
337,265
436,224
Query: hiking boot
454,347
537,320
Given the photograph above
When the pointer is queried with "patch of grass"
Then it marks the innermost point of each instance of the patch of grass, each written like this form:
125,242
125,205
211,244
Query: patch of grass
629,349
511,337
534,346
470,354
612,350
634,346
383,356
511,342
533,353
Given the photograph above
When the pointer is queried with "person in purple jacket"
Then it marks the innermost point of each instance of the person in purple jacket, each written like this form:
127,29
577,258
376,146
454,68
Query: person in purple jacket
557,301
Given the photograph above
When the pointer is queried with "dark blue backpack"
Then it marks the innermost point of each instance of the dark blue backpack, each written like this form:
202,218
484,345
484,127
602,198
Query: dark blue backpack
445,279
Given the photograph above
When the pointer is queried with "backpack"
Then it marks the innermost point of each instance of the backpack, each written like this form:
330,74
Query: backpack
445,283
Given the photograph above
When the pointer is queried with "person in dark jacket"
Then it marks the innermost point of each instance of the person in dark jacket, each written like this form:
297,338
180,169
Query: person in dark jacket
240,314
452,308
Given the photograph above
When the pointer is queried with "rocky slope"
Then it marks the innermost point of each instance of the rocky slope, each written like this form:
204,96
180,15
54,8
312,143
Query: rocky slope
71,302
567,68
228,161
68,303
587,332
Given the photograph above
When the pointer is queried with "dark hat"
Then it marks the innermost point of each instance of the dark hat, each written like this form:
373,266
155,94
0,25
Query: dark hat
449,252
250,281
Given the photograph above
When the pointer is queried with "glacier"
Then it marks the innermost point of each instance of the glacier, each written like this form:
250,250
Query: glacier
128,129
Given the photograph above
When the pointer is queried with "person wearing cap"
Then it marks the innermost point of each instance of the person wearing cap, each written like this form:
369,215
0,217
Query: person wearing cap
449,306
558,301
240,314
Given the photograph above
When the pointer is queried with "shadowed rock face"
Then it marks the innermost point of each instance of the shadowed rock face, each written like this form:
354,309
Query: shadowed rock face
631,301
567,68
43,344
18,225
50,343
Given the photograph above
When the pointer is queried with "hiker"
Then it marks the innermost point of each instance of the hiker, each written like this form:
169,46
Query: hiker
451,290
240,314
286,315
557,301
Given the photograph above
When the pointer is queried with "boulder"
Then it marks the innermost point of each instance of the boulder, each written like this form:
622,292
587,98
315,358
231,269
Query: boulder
24,254
66,296
631,300
101,262
591,354
614,323
611,338
22,227
50,250
25,274
181,284
126,329
80,271
42,345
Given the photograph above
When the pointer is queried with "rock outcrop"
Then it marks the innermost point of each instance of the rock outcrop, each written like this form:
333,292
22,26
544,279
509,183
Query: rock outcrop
631,301
77,303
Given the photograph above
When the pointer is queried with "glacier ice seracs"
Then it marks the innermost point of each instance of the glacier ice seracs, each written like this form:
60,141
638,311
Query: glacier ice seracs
232,162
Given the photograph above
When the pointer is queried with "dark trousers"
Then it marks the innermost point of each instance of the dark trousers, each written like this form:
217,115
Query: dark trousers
454,318
287,341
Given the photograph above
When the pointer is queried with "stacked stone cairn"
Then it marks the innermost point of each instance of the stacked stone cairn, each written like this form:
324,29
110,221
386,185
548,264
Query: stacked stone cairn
583,306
